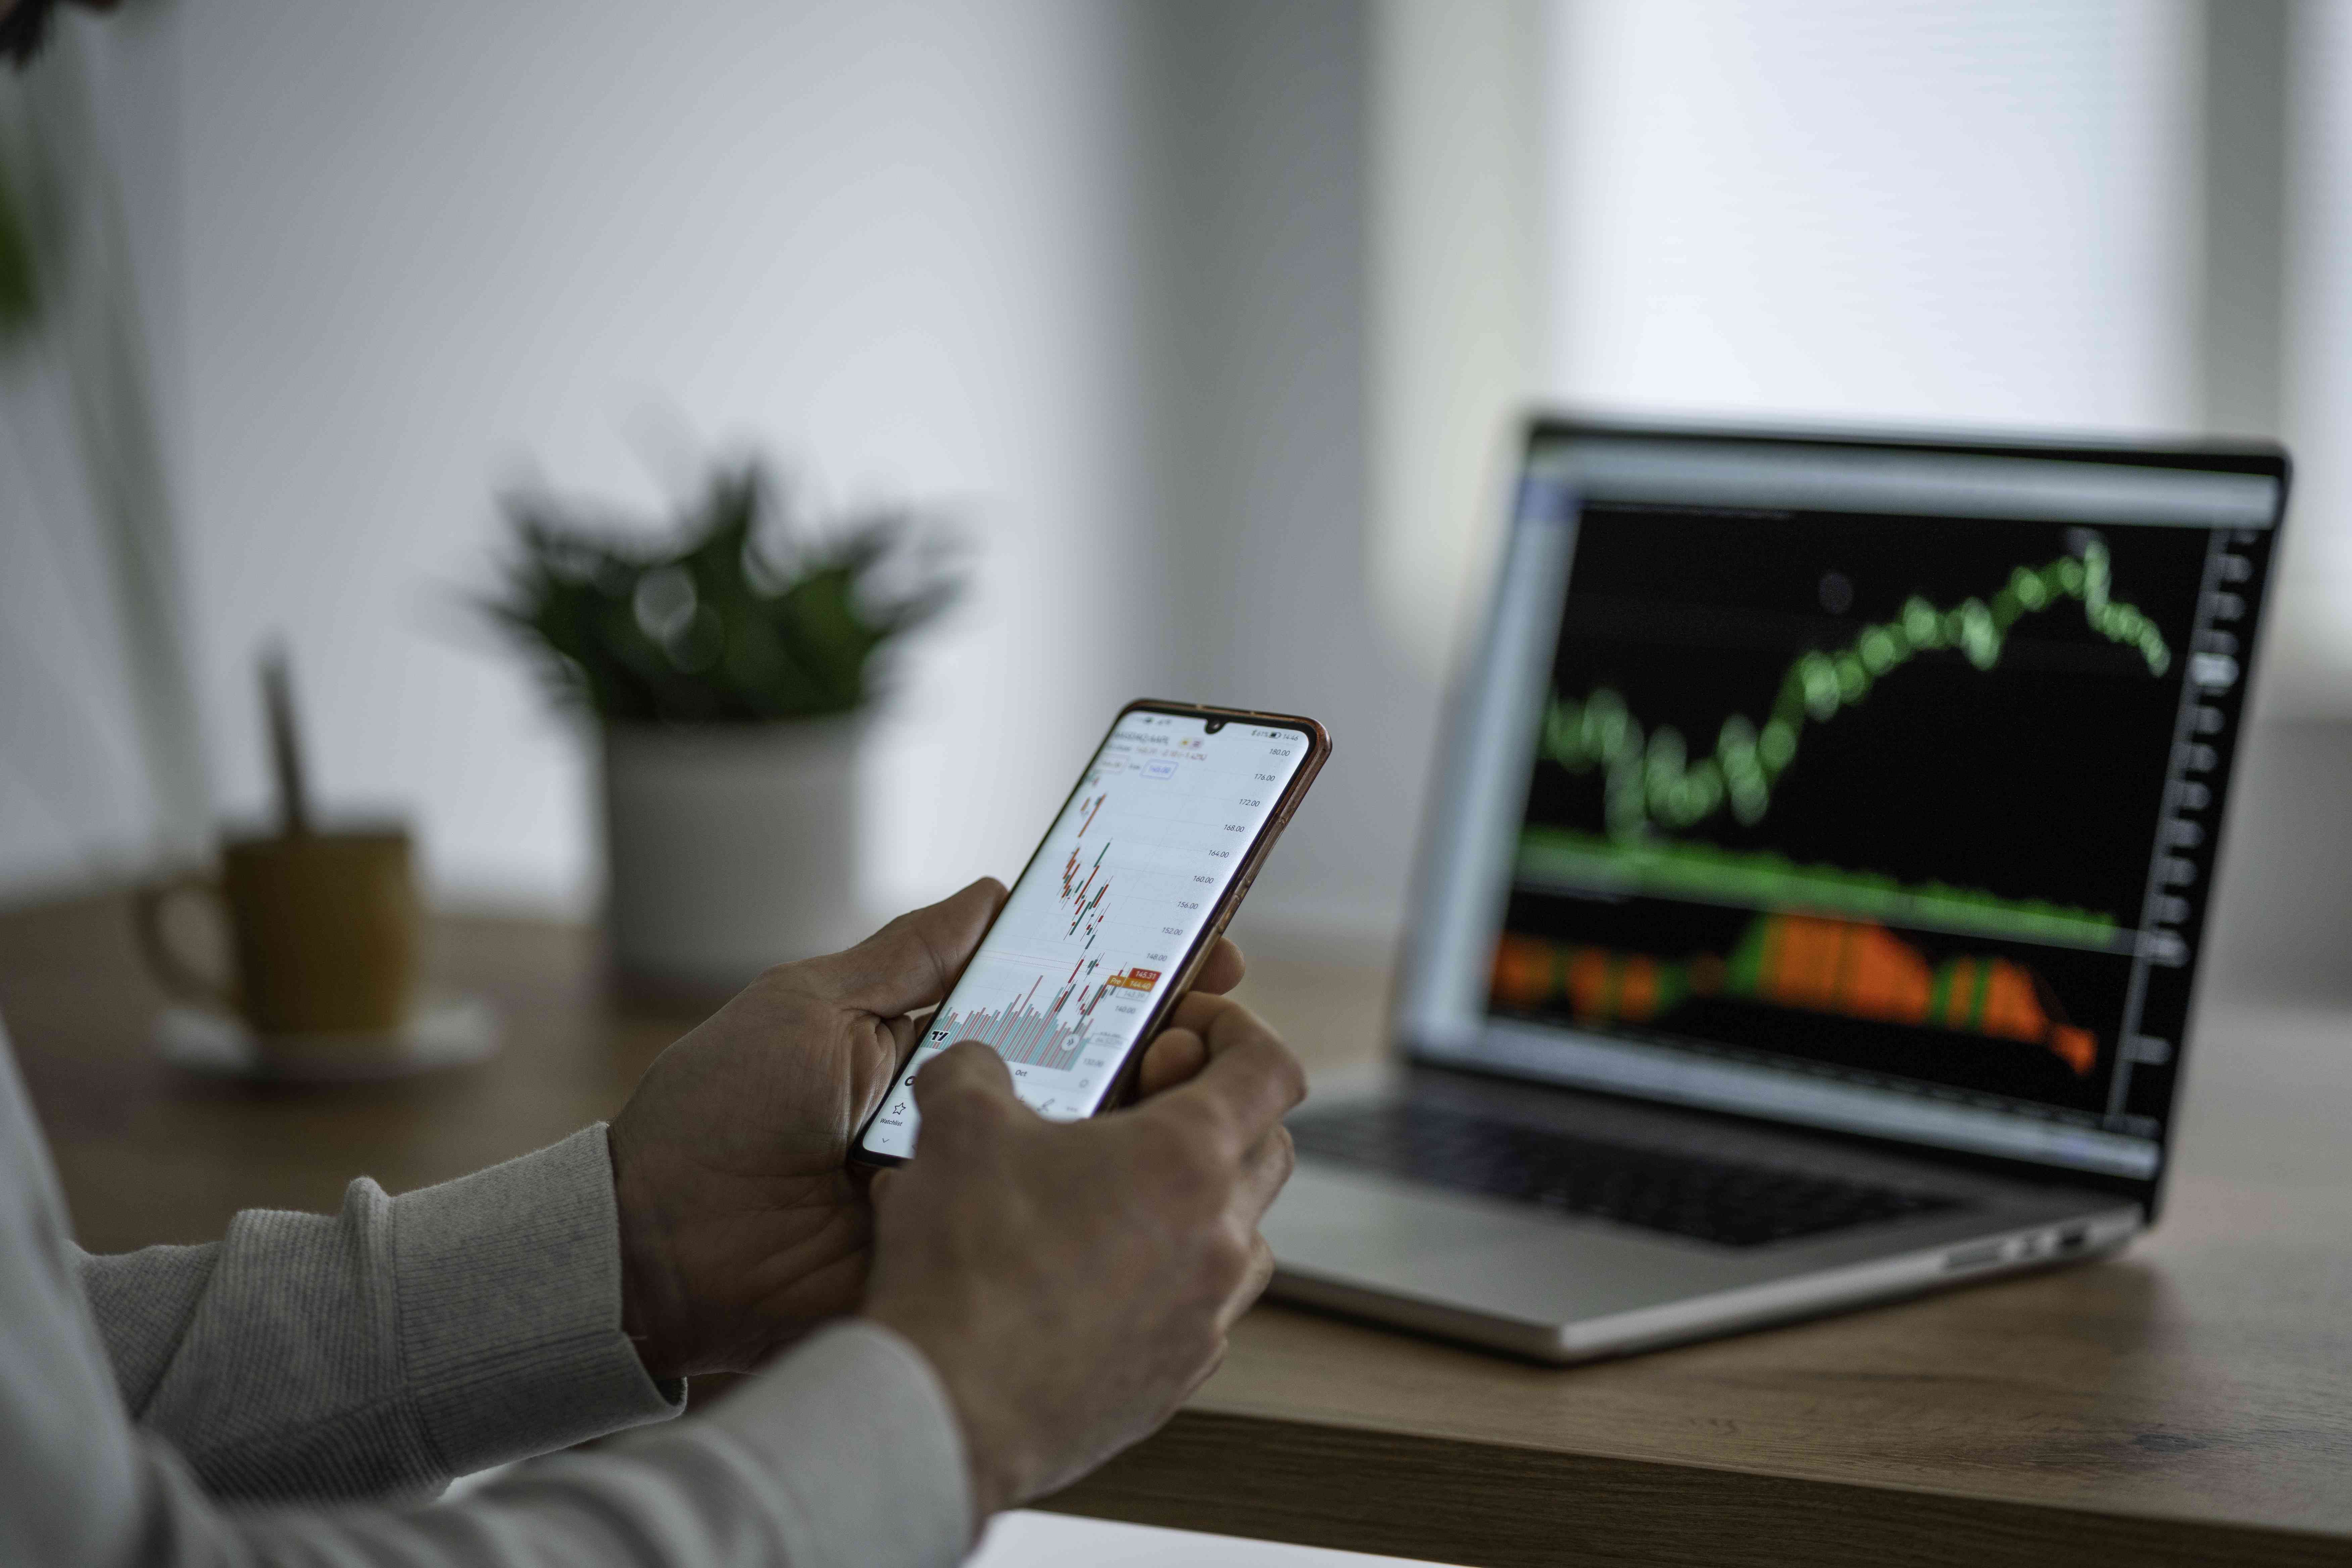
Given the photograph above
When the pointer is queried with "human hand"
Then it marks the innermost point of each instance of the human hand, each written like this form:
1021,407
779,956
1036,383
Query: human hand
1072,1282
743,1226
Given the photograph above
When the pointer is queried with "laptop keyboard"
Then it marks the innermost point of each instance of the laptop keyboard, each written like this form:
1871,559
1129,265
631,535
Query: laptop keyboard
1721,1201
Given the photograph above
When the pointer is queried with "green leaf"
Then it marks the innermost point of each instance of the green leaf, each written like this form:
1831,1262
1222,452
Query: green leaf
769,635
20,297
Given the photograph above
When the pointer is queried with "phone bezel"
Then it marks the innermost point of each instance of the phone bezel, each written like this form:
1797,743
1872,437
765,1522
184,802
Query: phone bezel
1318,748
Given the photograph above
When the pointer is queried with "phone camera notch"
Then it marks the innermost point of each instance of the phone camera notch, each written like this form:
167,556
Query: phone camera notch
1213,725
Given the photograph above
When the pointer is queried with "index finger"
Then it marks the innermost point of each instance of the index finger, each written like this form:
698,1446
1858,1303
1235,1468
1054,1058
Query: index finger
1252,1081
1222,969
910,963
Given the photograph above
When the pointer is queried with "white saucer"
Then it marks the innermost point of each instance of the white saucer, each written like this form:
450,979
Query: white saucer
446,1032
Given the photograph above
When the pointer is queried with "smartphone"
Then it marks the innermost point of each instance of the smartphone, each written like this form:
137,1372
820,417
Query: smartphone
1116,912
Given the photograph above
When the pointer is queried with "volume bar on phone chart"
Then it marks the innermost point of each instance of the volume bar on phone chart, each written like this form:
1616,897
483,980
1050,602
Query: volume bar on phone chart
1024,1033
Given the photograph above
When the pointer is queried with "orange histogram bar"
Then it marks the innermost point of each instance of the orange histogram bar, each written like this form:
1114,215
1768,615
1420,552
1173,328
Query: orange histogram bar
1853,969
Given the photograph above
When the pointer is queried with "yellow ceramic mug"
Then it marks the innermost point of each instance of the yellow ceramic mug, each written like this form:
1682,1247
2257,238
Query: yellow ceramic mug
323,927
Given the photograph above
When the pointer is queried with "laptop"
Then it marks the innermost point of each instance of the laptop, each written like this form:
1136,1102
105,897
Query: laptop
1813,894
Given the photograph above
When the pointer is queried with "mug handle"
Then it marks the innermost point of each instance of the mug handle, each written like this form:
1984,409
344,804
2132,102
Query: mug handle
174,973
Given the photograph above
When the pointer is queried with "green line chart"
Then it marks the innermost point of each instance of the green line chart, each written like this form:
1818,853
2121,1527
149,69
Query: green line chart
1560,858
1652,782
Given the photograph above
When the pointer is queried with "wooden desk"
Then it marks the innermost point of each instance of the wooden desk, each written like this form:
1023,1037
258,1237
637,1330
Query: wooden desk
2188,1403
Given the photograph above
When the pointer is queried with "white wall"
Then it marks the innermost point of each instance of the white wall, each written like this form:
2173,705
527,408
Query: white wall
74,797
1885,209
1455,286
1090,272
92,783
2313,652
1257,116
427,242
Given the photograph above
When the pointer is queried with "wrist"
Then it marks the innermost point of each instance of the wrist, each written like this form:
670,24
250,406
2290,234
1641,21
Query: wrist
989,1466
651,1309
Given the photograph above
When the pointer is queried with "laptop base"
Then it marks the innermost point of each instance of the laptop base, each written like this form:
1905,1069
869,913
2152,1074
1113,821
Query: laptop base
1518,1277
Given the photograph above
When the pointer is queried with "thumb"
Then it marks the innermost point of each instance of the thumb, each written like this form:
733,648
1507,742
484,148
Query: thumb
965,1070
911,961
965,1095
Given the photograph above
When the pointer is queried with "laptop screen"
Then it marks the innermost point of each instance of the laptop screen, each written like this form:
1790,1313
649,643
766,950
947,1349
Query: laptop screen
1865,787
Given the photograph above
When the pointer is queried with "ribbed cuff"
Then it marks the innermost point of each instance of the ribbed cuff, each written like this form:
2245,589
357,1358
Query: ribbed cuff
510,1298
861,1439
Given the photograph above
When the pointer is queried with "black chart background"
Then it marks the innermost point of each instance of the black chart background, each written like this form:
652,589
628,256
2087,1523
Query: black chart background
2043,777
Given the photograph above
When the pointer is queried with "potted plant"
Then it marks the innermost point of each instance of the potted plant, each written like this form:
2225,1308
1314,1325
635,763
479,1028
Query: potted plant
729,668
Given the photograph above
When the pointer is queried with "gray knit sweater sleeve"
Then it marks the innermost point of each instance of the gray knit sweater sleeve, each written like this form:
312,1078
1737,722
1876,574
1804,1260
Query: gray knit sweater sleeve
380,1352
314,1358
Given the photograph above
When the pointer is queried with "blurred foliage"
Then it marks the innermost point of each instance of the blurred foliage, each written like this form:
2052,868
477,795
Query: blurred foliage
740,616
19,296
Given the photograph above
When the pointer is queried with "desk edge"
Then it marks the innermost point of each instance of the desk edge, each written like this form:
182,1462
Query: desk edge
1495,1506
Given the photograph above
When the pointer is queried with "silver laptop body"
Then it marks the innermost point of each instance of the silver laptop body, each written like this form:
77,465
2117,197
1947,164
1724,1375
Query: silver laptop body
1811,893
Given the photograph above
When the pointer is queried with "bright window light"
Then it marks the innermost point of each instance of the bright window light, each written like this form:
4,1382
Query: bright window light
1894,210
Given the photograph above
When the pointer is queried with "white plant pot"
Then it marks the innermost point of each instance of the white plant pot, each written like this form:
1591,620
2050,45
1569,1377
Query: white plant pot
729,847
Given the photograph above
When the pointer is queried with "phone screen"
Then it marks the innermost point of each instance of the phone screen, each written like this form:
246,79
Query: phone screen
1099,926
